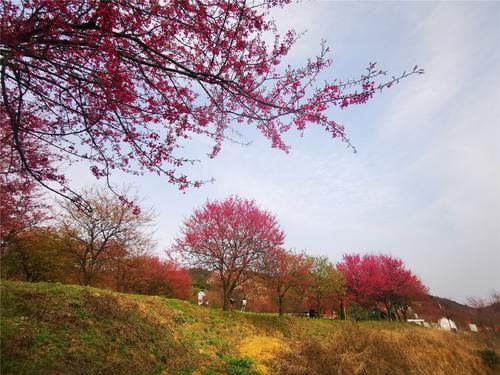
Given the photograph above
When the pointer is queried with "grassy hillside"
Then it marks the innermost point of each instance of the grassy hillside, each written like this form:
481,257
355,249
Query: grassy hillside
62,329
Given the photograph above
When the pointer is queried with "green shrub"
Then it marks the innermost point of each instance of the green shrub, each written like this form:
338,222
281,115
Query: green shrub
240,366
356,312
490,357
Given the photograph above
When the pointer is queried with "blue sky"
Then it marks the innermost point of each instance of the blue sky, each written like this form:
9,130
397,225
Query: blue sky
425,183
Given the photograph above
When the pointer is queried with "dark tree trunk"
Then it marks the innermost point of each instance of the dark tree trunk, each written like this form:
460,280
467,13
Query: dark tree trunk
342,310
87,277
227,291
388,309
225,300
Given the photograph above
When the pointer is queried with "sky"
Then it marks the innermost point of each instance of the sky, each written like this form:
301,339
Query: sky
424,185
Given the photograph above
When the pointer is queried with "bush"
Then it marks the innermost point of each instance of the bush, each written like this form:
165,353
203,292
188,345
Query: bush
356,312
490,358
233,366
240,366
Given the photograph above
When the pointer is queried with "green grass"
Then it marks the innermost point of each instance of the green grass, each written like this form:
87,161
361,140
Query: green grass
66,329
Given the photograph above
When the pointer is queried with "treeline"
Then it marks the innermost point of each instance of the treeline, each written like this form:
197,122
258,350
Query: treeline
242,246
233,248
108,246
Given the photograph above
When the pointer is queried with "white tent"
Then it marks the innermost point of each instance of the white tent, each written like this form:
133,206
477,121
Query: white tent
447,324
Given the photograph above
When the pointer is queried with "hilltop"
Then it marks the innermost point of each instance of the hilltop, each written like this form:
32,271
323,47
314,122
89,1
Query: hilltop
66,329
433,308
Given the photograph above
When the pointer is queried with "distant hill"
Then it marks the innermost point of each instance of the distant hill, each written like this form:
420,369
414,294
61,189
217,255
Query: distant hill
435,308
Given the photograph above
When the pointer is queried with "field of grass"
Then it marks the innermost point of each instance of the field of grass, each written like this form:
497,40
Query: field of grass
64,329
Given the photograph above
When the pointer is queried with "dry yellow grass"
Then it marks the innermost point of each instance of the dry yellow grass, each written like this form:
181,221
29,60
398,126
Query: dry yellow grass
262,349
357,349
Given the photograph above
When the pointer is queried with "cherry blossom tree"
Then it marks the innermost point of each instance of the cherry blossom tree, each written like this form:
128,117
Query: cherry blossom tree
21,204
230,237
381,278
283,271
124,84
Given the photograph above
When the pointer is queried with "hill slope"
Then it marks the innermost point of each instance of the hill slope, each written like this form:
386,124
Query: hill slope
63,329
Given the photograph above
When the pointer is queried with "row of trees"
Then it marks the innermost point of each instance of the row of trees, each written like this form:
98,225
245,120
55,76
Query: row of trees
109,246
238,242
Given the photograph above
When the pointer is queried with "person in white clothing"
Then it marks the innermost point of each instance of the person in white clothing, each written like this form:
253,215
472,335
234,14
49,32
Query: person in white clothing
244,304
201,296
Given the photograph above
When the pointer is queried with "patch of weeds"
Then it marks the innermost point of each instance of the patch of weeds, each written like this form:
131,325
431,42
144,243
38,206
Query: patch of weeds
179,319
218,342
44,337
104,306
89,337
183,371
134,318
240,366
490,358
210,371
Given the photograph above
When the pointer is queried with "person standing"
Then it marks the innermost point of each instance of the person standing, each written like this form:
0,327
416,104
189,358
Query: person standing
243,304
201,296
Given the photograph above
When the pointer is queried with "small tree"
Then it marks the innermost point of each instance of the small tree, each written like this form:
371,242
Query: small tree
328,283
35,255
111,229
283,271
230,237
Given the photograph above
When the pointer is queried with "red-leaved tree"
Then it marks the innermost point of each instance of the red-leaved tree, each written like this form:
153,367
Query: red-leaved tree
154,276
21,205
121,84
230,237
381,278
284,271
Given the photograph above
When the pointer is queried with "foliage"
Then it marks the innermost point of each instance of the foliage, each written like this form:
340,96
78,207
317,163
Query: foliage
328,284
381,278
490,358
36,255
123,84
21,206
240,366
153,276
356,312
199,277
108,233
284,270
230,237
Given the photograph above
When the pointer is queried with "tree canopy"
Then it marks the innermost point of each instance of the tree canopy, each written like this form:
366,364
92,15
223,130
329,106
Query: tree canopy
381,278
123,84
230,237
